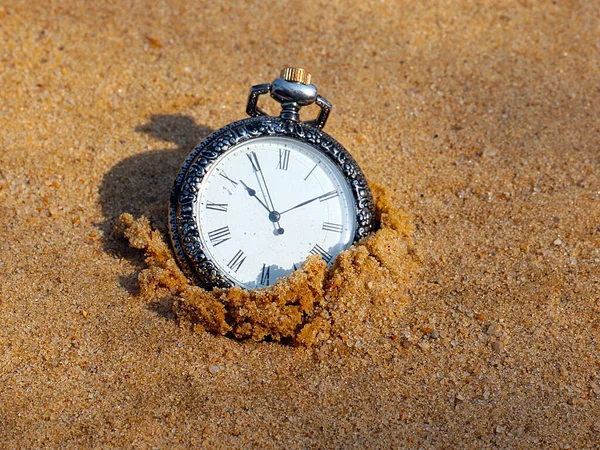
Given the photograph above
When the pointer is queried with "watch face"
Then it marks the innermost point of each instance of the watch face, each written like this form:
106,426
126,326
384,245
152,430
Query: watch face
268,203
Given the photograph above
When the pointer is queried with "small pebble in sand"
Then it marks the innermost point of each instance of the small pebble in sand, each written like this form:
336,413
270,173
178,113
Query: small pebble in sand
494,329
576,401
213,368
558,242
564,371
497,346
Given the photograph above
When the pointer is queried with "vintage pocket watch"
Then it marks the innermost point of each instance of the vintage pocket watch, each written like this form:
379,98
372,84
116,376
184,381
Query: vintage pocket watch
259,196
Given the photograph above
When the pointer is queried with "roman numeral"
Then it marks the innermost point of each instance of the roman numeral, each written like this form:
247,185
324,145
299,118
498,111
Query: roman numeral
254,161
216,206
224,175
219,235
237,261
328,196
311,171
335,227
265,276
318,250
284,159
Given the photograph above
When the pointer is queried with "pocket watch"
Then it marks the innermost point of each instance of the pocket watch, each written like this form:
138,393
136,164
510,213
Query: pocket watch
260,195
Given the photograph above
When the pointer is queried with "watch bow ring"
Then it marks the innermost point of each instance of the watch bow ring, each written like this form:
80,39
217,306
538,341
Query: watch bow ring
255,199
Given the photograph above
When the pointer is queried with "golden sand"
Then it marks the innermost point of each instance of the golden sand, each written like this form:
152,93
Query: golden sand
300,309
479,118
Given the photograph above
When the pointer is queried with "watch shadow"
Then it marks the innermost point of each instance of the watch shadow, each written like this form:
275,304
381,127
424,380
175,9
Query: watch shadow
141,184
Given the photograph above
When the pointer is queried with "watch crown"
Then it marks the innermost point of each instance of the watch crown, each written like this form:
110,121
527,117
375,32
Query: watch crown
295,74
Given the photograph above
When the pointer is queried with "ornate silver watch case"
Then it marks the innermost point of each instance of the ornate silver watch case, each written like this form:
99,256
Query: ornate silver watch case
293,91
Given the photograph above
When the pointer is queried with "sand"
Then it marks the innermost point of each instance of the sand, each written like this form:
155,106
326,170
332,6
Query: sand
311,306
480,120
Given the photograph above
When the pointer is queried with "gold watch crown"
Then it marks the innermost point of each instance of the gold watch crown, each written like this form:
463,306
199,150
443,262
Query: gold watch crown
295,74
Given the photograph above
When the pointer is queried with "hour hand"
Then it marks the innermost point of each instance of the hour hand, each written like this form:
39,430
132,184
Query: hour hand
252,193
273,215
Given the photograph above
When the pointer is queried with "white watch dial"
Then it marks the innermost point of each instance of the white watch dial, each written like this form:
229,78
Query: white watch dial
267,204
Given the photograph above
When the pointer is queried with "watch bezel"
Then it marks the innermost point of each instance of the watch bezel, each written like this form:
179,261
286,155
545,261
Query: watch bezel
183,224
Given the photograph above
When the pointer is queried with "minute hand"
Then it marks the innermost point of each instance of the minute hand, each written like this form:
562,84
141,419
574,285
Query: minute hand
328,194
254,159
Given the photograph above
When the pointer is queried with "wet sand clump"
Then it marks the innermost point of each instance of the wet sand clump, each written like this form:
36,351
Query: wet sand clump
366,284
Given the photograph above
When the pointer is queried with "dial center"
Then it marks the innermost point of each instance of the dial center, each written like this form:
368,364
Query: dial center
274,216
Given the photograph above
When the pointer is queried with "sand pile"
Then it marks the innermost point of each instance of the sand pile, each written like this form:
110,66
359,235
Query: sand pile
366,284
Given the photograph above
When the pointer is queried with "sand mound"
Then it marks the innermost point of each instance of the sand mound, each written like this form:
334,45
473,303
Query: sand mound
363,290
